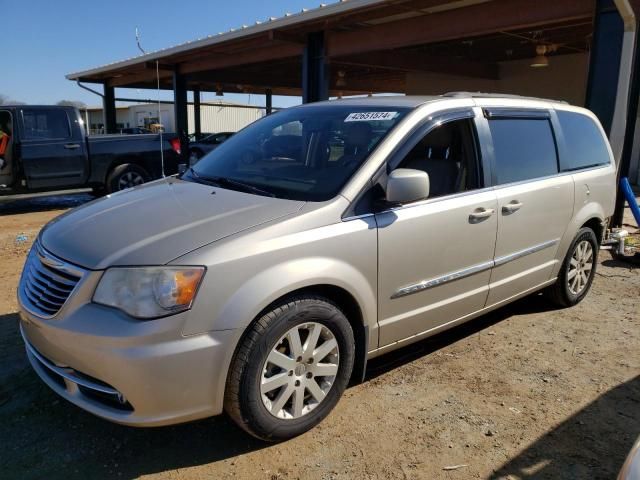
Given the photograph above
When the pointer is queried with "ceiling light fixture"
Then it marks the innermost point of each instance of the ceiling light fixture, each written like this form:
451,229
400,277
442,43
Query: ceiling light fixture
541,59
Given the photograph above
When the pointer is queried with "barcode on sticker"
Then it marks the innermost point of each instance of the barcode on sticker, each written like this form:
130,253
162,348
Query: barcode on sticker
369,116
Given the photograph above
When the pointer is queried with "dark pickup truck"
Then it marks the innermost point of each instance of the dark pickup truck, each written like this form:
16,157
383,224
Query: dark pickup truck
49,150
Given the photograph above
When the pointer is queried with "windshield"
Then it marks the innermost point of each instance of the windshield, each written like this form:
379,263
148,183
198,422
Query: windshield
301,153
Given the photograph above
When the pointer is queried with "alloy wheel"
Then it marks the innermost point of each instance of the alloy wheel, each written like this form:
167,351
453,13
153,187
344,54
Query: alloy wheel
580,267
130,180
299,371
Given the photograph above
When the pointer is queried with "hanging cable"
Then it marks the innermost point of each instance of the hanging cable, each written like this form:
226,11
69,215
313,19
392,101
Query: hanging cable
159,111
160,120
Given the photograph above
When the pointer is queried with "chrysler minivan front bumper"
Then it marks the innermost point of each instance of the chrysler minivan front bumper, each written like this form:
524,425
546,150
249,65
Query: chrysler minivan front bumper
127,371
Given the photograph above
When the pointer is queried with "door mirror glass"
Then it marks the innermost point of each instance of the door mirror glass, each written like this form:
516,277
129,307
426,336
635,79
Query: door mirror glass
406,185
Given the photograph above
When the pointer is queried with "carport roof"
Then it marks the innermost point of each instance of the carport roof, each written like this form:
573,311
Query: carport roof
370,45
244,31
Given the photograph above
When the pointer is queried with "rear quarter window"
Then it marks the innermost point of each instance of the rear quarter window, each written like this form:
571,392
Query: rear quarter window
586,146
524,149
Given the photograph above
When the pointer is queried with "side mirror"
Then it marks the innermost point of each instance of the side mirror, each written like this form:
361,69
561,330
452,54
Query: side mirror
406,185
182,167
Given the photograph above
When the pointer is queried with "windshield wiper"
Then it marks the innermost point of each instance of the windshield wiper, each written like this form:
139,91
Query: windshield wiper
229,182
247,187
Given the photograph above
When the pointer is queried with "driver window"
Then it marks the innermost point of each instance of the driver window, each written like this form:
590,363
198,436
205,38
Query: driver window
449,155
284,144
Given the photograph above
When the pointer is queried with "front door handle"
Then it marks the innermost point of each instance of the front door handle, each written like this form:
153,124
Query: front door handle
480,214
72,146
511,207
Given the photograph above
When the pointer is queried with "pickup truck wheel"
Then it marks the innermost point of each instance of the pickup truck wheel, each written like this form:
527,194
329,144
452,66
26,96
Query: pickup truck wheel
126,176
577,272
98,191
290,369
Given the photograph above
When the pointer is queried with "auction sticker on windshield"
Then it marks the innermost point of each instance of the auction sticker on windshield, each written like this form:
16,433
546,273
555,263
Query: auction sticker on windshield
368,116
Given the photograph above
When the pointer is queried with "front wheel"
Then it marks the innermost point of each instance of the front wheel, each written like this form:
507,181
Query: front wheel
290,369
578,270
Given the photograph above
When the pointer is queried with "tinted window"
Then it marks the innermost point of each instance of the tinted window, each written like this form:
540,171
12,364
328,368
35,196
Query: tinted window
586,146
42,124
448,154
524,149
304,153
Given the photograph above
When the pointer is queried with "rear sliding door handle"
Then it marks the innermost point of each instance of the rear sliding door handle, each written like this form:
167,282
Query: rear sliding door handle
72,146
511,207
480,214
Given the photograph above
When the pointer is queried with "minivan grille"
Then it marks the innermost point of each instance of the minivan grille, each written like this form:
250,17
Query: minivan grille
47,282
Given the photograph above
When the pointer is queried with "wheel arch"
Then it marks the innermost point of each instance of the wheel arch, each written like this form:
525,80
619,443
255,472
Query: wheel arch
596,224
344,300
125,160
590,215
351,308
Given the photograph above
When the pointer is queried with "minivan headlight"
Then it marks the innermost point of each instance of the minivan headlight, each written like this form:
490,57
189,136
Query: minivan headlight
149,292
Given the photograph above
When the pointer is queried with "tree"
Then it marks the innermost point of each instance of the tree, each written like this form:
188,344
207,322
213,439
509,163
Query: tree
5,100
72,103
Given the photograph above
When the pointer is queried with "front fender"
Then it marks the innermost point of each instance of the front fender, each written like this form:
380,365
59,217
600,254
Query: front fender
279,280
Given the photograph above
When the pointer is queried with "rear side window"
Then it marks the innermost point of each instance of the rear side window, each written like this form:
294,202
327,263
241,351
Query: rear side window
524,149
586,146
45,124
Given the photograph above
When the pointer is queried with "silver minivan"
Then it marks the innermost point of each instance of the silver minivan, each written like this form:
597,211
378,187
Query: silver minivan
261,280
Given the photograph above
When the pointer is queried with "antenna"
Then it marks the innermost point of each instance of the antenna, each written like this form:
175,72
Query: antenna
138,42
159,112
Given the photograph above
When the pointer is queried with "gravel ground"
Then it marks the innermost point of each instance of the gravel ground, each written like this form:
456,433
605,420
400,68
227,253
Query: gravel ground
525,392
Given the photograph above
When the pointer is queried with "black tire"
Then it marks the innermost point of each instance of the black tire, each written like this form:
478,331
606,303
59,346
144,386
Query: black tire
125,176
560,293
243,398
98,192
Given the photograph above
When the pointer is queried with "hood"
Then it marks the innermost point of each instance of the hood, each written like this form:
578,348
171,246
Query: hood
156,223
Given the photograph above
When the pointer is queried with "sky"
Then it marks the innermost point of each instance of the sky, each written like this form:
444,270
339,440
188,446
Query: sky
43,40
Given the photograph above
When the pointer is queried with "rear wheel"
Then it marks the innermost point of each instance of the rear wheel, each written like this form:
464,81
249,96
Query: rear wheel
290,369
125,176
578,270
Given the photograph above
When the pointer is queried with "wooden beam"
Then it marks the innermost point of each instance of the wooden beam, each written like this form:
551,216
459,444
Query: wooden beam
218,61
288,78
418,62
146,76
286,37
161,66
464,22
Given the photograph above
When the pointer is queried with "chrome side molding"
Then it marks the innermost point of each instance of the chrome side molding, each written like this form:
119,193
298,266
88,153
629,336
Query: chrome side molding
523,253
449,277
472,270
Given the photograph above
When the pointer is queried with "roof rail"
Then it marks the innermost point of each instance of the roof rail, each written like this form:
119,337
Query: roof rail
498,95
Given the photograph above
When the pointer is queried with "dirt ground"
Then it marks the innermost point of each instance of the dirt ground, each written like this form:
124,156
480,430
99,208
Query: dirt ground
525,392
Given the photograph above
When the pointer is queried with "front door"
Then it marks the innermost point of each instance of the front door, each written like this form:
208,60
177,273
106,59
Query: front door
435,256
52,149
